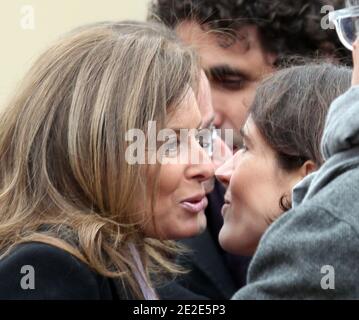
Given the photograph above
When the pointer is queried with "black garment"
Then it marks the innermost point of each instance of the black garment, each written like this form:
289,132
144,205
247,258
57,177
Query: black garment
214,274
58,275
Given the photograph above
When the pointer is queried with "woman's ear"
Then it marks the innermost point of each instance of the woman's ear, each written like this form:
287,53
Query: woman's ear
308,167
299,174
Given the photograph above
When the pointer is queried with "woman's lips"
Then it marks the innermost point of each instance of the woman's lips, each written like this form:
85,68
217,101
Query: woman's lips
195,206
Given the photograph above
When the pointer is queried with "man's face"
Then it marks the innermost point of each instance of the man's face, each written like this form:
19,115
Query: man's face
234,71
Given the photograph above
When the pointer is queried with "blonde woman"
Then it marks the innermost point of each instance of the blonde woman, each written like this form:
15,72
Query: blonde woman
77,220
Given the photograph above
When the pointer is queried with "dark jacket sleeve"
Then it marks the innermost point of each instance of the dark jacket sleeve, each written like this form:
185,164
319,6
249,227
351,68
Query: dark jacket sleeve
41,271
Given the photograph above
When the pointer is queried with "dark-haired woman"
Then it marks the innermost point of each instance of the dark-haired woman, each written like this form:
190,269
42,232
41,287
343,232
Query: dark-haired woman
281,145
311,252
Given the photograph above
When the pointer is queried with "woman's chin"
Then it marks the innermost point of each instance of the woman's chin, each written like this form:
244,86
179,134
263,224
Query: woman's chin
225,242
189,229
233,245
195,227
201,222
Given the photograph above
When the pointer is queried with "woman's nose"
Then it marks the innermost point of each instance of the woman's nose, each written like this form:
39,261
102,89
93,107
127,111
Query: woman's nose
224,172
218,119
202,168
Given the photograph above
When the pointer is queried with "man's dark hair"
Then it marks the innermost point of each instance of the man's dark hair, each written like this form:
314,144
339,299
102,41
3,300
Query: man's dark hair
286,27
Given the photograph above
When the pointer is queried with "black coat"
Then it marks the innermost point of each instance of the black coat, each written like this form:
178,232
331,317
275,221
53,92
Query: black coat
214,274
58,275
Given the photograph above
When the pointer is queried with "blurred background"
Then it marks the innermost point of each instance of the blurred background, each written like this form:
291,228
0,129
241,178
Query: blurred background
27,27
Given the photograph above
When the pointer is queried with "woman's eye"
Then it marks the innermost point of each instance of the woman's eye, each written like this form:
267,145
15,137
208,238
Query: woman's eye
204,143
204,138
171,147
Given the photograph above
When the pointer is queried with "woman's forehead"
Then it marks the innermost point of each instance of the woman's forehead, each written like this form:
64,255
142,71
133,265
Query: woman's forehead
186,114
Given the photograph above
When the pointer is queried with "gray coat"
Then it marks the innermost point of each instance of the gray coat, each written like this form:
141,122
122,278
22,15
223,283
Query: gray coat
312,251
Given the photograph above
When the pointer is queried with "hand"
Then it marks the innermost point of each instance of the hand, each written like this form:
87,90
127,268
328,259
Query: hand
355,77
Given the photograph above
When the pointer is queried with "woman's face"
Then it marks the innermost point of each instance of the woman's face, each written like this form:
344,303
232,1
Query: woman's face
181,198
255,186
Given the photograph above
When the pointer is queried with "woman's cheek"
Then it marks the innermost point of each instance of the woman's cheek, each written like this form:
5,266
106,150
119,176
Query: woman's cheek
169,196
240,180
170,179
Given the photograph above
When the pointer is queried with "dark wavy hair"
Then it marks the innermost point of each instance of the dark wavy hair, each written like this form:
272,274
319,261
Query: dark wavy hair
286,27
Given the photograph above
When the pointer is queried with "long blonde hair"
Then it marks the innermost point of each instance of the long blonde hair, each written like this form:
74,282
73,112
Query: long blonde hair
63,175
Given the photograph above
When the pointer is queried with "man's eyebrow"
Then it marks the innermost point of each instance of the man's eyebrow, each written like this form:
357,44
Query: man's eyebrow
207,123
225,70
